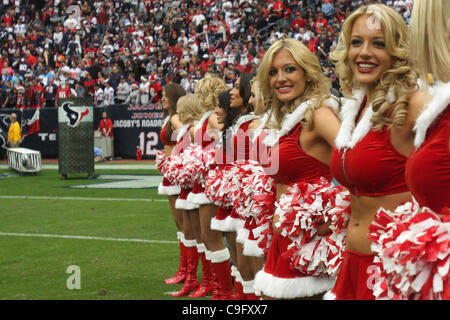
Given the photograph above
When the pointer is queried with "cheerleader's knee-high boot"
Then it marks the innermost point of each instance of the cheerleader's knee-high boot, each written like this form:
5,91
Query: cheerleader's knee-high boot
181,273
207,284
190,282
221,264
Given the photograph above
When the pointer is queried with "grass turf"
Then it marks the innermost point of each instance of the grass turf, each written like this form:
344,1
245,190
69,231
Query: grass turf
35,267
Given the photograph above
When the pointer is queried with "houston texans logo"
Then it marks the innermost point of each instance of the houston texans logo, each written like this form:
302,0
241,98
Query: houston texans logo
74,117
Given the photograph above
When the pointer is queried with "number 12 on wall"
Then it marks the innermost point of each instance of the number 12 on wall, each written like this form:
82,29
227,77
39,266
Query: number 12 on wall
148,142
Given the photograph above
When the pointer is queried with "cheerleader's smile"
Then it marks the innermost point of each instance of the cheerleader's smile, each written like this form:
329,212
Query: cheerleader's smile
286,77
368,55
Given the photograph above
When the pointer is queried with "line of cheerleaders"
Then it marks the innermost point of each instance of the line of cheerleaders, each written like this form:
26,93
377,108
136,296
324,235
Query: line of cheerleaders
283,191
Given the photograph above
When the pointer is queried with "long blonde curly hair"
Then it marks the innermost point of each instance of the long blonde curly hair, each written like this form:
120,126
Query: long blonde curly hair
317,87
401,77
430,48
207,89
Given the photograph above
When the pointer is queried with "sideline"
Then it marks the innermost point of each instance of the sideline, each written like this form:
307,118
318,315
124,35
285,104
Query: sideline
84,237
50,166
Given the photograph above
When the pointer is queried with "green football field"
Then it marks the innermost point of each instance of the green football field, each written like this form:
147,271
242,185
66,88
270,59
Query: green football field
112,237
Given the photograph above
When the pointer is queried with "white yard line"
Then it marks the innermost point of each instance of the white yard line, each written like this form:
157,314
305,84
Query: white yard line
83,237
81,198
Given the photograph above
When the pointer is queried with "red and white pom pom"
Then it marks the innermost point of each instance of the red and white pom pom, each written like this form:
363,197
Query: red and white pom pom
338,217
302,209
173,169
160,161
217,186
263,209
183,167
243,186
207,162
413,248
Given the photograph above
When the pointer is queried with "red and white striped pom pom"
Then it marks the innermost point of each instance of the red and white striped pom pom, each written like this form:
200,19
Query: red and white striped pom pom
184,166
243,186
413,248
263,209
172,169
167,168
160,161
207,162
188,174
302,210
217,187
338,217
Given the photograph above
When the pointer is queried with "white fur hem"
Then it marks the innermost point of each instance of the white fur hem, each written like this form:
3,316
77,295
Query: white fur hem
235,223
290,288
183,204
198,198
329,296
220,256
168,190
201,248
221,225
251,249
242,235
190,243
248,286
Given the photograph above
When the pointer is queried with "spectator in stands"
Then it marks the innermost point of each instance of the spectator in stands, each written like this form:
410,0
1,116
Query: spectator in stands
14,134
144,91
98,95
133,96
63,92
108,94
123,90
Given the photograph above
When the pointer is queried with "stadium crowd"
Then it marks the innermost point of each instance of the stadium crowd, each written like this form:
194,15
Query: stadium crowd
125,51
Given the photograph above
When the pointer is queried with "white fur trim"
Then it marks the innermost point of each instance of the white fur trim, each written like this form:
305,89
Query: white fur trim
190,243
441,98
349,134
235,223
180,235
226,225
165,121
234,271
334,102
289,121
168,190
261,126
220,256
183,204
201,122
242,235
208,255
241,120
251,249
198,198
329,296
247,286
285,288
201,247
182,131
